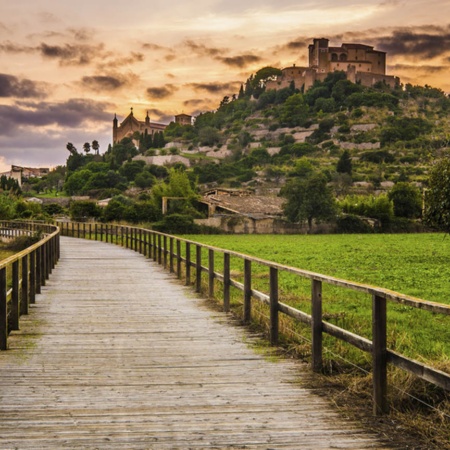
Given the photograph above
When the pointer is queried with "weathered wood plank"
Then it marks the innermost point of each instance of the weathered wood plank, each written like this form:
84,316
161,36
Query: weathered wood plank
117,354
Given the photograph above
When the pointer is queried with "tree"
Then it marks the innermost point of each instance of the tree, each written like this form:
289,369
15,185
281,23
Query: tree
71,148
294,112
95,146
407,200
87,147
437,197
344,164
309,199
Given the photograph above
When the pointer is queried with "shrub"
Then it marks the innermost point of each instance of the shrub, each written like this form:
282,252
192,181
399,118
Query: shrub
177,224
352,224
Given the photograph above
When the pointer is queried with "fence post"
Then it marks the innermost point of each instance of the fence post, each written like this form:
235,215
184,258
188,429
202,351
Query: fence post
226,282
198,268
273,306
159,249
25,299
171,254
247,290
316,326
3,311
165,251
43,264
379,355
178,259
33,277
211,273
188,264
140,241
155,247
38,266
15,296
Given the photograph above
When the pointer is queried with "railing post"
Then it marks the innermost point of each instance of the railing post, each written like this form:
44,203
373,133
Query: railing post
155,246
273,306
165,251
25,298
379,355
316,326
38,271
33,276
198,268
226,282
171,254
211,274
159,250
15,296
247,290
188,264
3,311
43,264
178,258
127,237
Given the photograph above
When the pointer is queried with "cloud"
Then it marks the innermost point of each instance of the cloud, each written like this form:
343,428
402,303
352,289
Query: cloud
72,114
11,86
414,43
9,47
240,61
421,68
203,50
161,92
100,83
132,58
214,88
72,55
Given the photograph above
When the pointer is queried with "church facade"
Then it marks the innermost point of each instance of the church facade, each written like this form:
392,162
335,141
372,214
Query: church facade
130,125
361,63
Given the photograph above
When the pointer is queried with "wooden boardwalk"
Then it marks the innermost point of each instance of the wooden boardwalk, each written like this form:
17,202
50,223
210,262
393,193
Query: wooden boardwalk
116,354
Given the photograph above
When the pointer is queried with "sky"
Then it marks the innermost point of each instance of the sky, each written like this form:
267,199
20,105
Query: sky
66,67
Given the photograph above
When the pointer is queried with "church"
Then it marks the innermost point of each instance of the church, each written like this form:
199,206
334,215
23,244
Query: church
130,125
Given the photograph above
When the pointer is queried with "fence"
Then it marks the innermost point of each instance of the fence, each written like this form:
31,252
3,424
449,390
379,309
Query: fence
23,274
167,251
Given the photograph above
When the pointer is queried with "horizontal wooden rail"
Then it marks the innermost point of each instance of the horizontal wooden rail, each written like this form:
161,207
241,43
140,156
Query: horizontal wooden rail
161,248
29,270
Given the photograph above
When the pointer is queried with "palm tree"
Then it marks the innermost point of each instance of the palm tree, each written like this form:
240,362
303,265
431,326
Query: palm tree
71,148
87,147
95,146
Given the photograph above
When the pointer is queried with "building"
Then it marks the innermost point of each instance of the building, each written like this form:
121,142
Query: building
130,125
183,119
361,63
19,172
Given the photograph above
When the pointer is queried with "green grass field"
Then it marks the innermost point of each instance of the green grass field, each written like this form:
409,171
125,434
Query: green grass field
412,264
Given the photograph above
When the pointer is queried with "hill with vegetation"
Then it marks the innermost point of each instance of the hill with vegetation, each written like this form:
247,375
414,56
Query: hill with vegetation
369,149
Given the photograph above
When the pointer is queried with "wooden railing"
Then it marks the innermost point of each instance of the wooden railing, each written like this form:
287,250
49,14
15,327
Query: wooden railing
167,251
23,274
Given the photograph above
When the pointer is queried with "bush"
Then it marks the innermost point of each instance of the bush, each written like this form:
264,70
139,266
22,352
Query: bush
177,224
22,242
352,224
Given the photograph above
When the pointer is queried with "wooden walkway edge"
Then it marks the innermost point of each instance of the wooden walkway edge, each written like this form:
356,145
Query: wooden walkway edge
116,354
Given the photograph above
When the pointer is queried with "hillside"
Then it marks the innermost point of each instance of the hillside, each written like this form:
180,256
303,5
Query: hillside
391,135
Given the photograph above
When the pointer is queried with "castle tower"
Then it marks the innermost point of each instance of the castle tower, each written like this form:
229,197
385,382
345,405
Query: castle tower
115,127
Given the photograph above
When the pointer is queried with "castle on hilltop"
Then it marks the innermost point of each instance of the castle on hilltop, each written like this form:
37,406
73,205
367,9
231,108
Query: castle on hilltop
361,63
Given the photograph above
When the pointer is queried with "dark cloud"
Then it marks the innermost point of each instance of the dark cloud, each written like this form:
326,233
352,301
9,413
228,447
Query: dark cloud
419,68
195,102
9,47
117,62
214,88
298,44
11,86
203,50
154,47
101,83
240,61
70,114
72,55
161,92
414,43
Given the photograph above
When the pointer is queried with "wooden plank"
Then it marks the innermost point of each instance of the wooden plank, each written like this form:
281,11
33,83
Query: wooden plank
118,354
